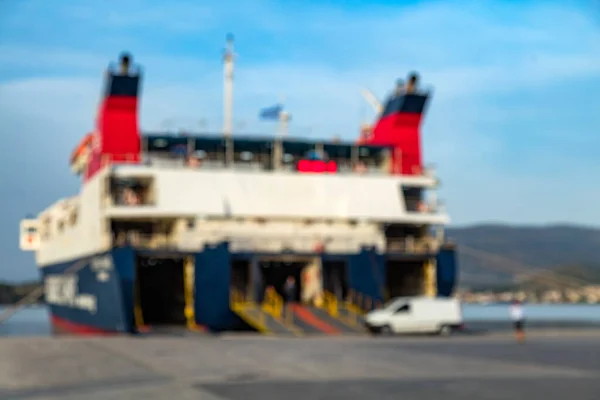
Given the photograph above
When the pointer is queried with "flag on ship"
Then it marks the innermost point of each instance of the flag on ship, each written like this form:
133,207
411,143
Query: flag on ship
273,112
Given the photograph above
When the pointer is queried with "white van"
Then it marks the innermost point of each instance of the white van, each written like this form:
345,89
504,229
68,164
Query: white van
416,315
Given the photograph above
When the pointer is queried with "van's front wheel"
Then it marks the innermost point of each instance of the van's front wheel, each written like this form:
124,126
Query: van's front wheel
445,330
386,330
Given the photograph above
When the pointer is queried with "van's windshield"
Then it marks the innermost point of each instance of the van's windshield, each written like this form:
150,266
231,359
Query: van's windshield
390,303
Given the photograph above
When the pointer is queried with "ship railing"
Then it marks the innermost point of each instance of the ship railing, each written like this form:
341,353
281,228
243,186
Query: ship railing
330,303
183,161
150,241
432,207
273,243
239,298
273,303
127,158
411,245
239,302
429,171
361,303
237,243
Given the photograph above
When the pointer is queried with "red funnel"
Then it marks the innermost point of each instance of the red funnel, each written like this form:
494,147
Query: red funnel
399,126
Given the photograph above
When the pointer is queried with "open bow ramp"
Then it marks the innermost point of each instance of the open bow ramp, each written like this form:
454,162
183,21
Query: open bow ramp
265,318
263,322
318,320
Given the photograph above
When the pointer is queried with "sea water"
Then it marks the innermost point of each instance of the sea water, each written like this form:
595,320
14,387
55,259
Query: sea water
34,320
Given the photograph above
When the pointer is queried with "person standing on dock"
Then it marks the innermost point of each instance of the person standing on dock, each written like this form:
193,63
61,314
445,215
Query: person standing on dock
518,317
290,289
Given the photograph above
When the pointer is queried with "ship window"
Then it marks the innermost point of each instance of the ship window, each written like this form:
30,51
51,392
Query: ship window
44,231
131,191
45,228
73,217
61,225
31,230
413,198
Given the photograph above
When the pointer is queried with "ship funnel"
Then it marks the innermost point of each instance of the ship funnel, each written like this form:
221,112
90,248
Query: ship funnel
399,125
117,135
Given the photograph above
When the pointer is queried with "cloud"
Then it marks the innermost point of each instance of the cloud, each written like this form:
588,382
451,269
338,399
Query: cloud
511,125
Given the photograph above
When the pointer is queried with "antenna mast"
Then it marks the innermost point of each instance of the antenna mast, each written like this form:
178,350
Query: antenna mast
228,86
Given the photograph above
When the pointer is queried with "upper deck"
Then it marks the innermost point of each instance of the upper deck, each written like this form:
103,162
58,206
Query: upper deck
250,177
259,154
264,154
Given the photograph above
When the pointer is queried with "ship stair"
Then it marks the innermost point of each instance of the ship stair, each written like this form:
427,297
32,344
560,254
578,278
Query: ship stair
267,318
351,317
273,317
346,313
316,320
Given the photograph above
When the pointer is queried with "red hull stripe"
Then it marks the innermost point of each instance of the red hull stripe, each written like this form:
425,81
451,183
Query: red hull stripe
63,326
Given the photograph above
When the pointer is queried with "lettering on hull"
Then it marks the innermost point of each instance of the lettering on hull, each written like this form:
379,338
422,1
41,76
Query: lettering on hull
63,290
102,265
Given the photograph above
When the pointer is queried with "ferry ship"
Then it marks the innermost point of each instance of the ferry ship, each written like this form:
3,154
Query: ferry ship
223,232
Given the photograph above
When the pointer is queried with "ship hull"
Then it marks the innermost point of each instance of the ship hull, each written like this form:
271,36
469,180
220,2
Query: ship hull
96,295
87,296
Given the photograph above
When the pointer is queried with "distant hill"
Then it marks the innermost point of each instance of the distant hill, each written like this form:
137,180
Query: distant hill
11,293
575,250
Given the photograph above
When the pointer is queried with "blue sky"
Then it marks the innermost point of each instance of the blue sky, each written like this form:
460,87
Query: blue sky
512,126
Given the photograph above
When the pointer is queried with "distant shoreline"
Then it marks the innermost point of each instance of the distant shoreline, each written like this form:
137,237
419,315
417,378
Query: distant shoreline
11,293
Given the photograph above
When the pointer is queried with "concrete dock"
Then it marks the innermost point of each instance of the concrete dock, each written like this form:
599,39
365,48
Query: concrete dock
551,365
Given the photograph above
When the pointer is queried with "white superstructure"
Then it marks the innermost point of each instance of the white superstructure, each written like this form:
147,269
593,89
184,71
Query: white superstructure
264,211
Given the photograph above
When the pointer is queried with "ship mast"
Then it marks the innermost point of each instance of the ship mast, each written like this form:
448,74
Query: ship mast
228,87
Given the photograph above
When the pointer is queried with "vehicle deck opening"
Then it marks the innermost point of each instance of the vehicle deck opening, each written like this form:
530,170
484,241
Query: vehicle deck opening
160,290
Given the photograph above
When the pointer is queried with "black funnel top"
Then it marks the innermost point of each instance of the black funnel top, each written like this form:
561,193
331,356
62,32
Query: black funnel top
123,81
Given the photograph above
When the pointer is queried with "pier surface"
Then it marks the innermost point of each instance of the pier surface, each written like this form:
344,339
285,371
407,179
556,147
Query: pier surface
551,365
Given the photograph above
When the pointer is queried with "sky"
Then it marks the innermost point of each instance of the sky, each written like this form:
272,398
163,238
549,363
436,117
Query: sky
511,128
